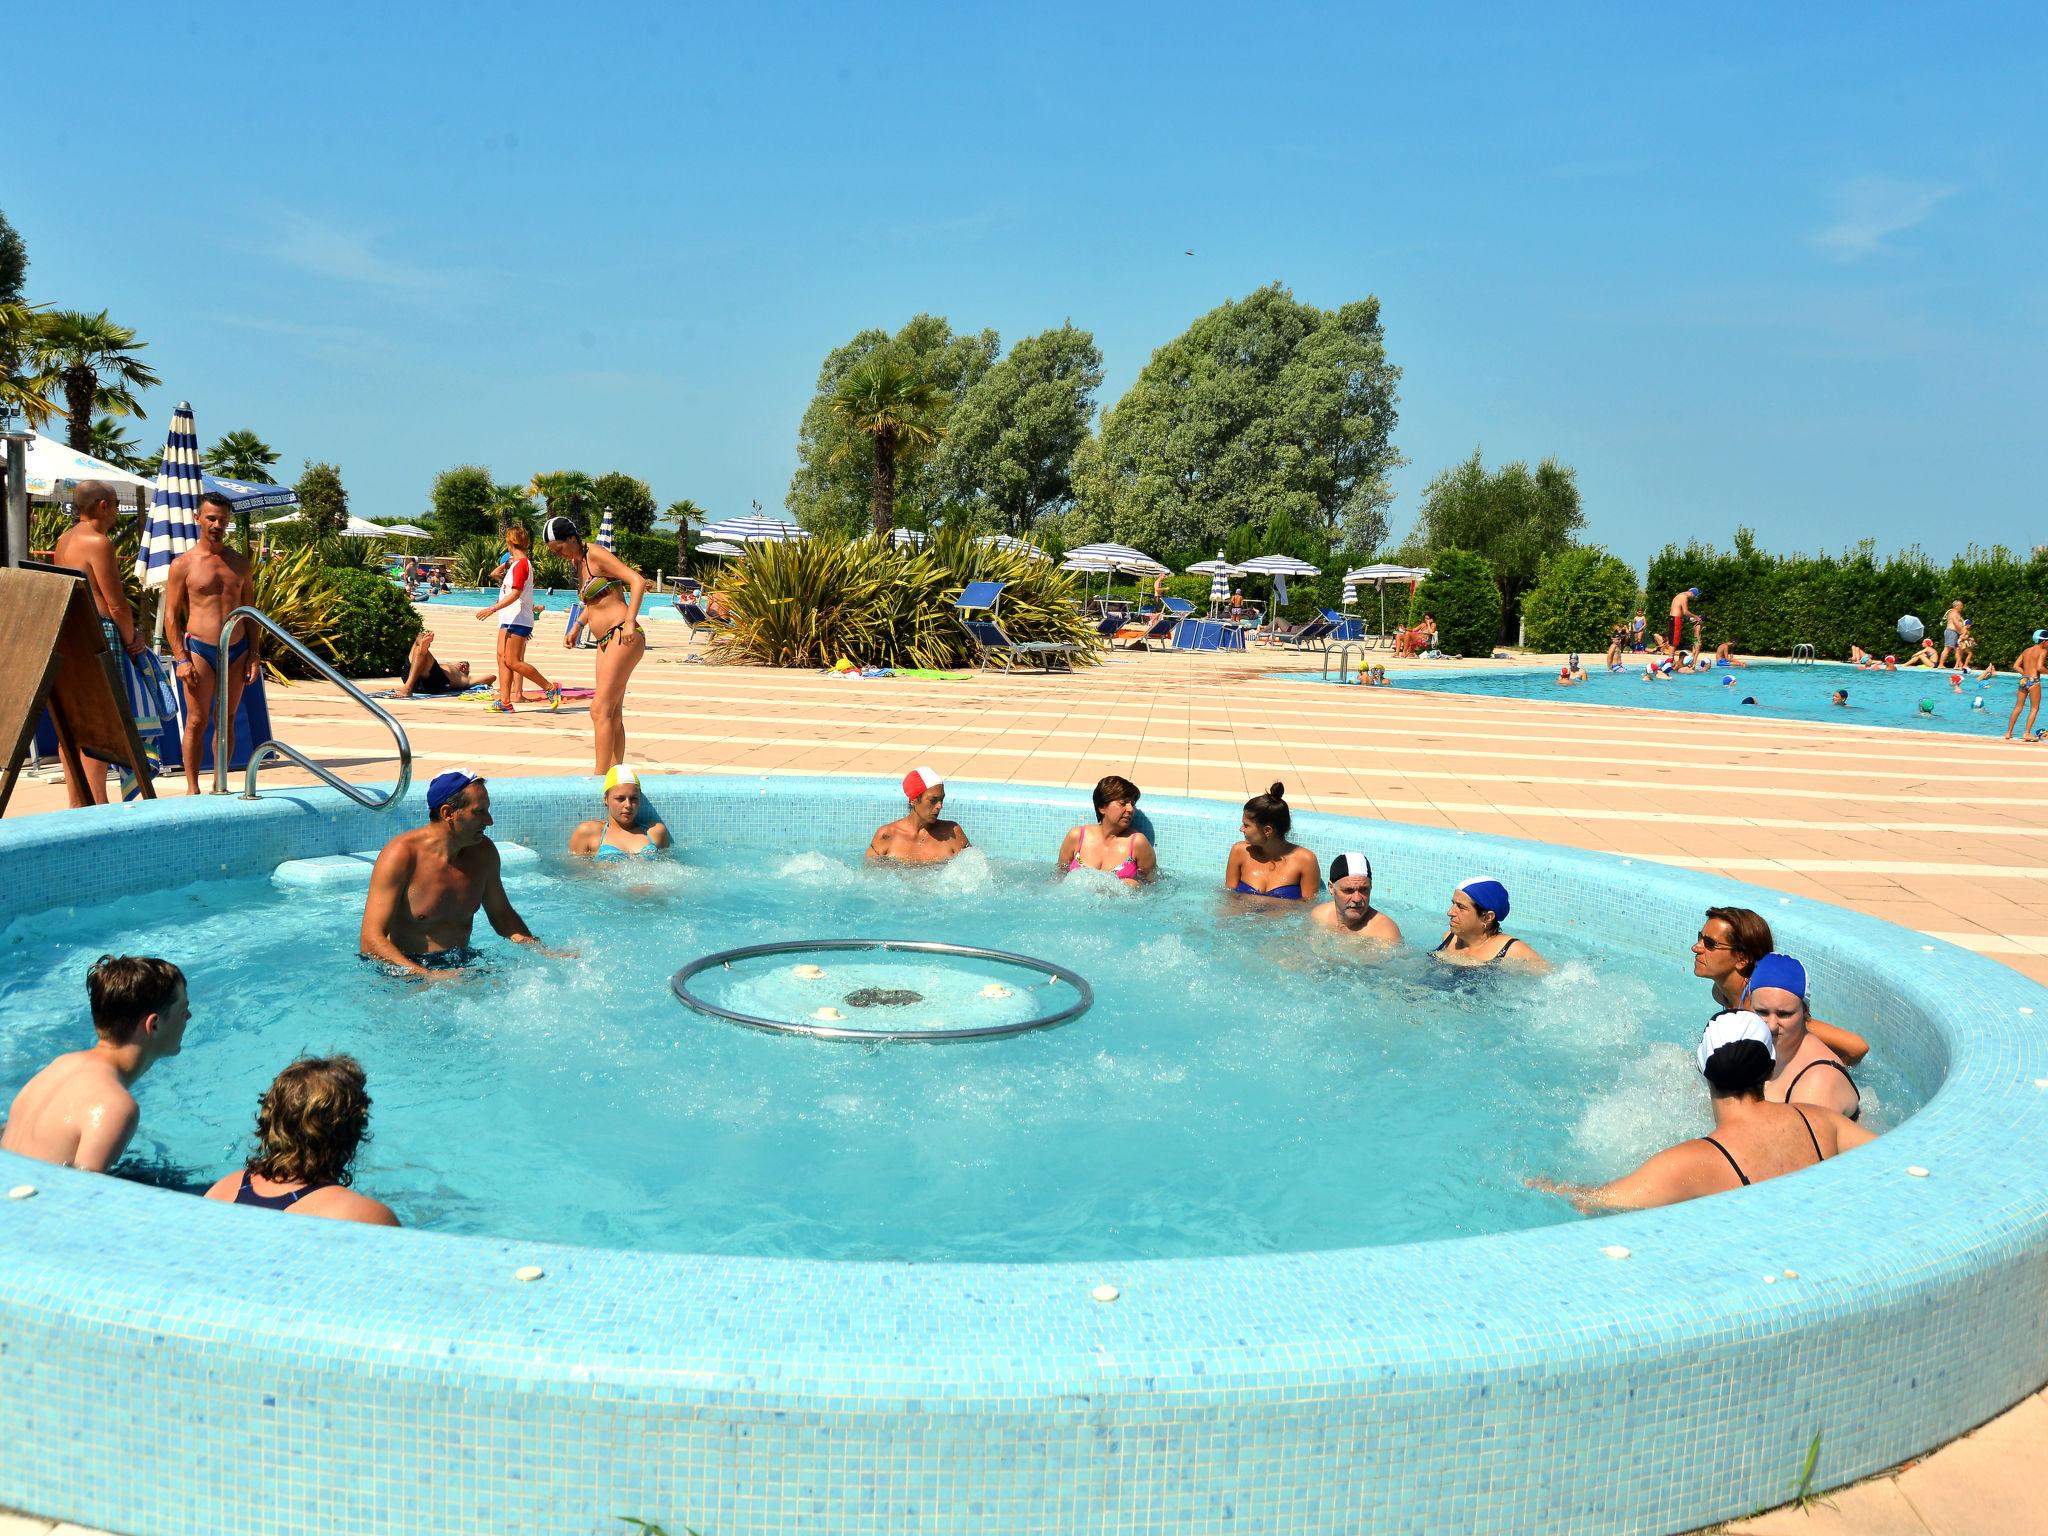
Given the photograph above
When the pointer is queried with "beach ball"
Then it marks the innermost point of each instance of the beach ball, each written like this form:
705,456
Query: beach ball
1911,629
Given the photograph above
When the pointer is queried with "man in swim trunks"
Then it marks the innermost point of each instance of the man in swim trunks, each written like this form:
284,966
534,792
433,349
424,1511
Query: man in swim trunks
428,884
1731,941
2029,665
920,836
1350,909
1951,633
424,675
205,584
1681,615
86,546
78,1112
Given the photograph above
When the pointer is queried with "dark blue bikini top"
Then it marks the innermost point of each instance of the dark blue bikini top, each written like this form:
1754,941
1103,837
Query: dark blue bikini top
1278,893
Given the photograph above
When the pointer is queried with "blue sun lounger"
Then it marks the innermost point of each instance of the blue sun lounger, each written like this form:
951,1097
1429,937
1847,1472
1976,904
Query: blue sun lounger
977,608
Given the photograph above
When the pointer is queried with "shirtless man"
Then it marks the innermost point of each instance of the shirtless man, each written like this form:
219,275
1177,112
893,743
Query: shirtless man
206,584
1682,615
428,884
1350,909
77,1111
85,546
921,837
1804,1070
2029,666
1951,634
1731,941
424,674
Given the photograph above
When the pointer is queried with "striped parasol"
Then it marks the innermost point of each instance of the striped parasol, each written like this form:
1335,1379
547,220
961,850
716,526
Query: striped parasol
1279,567
910,536
753,530
173,525
1012,546
604,533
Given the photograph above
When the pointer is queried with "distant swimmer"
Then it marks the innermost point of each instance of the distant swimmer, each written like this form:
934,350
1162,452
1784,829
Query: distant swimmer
429,883
921,835
1753,1139
620,834
78,1111
1350,909
1478,908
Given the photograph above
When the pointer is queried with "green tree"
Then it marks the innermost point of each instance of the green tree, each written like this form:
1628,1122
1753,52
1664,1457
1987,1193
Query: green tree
28,379
1010,441
1263,404
888,413
1513,516
96,367
833,487
1462,594
629,501
511,504
1579,596
567,493
111,445
322,498
13,263
241,456
465,504
683,513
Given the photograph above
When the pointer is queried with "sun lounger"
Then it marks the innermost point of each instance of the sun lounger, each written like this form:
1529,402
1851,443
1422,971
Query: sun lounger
977,608
695,618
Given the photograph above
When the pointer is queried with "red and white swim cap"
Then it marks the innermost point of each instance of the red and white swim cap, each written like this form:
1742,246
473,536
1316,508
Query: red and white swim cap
920,779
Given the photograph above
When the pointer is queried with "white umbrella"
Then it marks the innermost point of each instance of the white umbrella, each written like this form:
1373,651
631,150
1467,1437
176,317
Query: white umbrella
908,536
754,530
1279,567
1115,557
173,525
1379,576
54,468
1005,542
719,548
407,531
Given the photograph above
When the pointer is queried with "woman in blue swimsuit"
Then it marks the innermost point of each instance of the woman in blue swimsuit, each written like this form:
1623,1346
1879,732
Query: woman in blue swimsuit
310,1124
1474,937
1266,863
619,835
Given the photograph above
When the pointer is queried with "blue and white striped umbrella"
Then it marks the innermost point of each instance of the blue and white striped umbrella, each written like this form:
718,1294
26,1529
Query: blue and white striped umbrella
910,536
604,533
173,525
753,530
1014,546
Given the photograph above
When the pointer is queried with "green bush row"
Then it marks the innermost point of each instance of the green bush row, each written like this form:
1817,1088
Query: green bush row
374,624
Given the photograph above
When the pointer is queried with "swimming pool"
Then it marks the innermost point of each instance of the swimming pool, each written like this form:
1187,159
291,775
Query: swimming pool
1782,690
656,605
173,1366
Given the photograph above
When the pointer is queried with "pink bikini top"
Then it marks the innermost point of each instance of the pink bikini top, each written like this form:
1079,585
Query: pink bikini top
1128,870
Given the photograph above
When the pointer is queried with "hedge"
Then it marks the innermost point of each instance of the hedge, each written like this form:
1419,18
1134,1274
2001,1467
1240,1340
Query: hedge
1464,598
1579,596
1766,604
376,625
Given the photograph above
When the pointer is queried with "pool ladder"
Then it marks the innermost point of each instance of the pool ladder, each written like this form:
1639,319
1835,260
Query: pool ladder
223,724
1802,654
1338,655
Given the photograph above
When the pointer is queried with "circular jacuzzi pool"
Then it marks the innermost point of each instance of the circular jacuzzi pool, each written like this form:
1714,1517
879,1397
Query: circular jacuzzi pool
796,1283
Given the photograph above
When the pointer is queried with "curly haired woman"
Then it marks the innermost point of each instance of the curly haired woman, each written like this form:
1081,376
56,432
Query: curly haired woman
309,1125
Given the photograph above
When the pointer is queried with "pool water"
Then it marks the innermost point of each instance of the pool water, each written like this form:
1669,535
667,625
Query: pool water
1239,1086
1781,690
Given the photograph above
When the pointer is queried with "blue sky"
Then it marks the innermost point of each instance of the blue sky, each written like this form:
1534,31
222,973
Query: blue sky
1775,266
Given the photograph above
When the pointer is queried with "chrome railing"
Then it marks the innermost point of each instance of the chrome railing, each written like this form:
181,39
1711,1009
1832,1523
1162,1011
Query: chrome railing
1339,655
1802,653
223,722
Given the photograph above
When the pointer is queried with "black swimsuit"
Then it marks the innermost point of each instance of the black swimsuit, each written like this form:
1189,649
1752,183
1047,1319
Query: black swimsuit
248,1196
1818,1155
1493,959
1854,1114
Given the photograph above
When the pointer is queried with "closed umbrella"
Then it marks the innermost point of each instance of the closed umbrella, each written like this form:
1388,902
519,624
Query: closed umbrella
1219,571
604,533
173,525
754,530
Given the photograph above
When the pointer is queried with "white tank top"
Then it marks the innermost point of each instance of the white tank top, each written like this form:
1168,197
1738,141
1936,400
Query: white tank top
518,578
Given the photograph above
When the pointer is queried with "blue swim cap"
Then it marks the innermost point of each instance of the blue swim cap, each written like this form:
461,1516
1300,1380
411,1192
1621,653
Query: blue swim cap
1780,971
1727,682
1487,896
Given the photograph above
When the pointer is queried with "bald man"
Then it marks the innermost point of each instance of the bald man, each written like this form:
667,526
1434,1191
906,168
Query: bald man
88,546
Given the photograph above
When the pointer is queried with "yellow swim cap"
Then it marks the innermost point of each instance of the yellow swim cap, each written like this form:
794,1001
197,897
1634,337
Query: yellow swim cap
619,775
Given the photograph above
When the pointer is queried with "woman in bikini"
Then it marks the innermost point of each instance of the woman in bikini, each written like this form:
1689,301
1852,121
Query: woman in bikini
619,835
1266,863
610,591
1753,1139
309,1125
1807,1072
1111,845
1474,936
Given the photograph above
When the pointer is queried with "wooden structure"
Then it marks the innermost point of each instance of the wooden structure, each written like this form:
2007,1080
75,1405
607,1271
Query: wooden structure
53,655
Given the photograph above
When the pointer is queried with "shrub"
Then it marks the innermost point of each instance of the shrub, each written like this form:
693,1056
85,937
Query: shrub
1464,597
298,593
374,626
1579,596
474,561
806,604
648,552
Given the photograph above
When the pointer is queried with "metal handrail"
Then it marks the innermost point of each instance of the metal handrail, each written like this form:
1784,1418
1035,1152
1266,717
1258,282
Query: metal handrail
1802,652
1338,654
223,723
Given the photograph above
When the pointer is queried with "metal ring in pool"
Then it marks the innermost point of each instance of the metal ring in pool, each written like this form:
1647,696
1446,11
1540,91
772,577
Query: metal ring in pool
680,985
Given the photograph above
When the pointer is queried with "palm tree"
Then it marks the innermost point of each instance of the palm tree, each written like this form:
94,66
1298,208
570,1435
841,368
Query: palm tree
682,511
511,504
567,491
27,380
96,366
890,402
110,445
241,456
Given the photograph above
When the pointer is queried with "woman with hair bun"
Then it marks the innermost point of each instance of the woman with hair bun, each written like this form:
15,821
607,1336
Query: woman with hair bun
310,1124
1753,1139
1266,863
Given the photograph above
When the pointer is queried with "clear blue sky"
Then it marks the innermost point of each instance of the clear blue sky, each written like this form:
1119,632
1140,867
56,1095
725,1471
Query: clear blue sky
1780,266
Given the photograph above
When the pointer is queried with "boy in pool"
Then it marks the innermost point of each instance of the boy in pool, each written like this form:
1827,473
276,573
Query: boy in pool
77,1112
920,836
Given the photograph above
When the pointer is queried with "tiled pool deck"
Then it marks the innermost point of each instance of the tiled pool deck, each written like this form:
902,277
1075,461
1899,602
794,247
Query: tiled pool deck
1942,836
